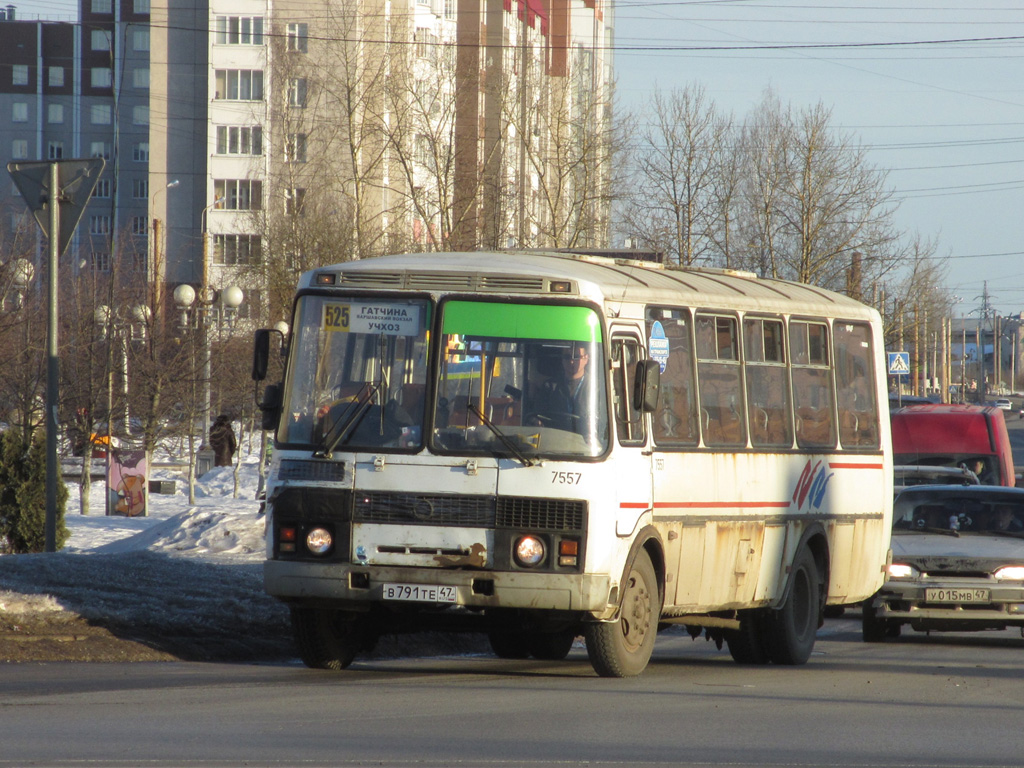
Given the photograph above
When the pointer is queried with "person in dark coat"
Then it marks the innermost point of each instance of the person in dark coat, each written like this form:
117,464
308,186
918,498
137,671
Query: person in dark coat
222,440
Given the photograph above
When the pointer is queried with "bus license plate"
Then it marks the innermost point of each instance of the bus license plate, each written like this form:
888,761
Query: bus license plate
942,595
422,593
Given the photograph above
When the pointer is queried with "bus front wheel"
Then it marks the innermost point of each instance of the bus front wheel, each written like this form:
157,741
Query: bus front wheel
623,647
793,627
327,639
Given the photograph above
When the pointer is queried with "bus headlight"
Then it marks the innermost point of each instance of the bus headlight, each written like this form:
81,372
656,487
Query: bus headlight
319,541
529,551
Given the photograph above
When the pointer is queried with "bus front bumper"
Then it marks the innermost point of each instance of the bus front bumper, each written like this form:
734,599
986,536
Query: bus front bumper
358,587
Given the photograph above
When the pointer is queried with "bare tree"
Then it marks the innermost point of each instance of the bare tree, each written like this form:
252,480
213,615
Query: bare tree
679,197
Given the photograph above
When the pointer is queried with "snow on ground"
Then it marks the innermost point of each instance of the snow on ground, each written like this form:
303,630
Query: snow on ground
222,528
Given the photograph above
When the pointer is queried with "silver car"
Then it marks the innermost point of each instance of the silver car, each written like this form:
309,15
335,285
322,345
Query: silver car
957,562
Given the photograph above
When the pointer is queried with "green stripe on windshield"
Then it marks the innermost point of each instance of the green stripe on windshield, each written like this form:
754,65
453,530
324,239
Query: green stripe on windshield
521,321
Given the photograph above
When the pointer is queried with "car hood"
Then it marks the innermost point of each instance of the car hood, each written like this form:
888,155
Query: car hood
940,552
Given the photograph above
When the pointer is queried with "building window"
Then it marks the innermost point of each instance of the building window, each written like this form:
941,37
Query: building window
294,199
239,140
102,6
99,225
102,188
239,194
19,74
140,78
99,149
298,37
297,92
295,148
239,84
236,250
100,39
140,6
140,226
140,189
99,261
239,30
19,149
55,113
55,150
140,39
140,152
140,115
56,77
19,112
99,77
99,114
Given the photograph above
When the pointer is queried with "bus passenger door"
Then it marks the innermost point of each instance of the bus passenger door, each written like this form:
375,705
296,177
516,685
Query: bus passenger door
631,463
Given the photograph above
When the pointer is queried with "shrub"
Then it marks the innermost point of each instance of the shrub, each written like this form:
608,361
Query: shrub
23,495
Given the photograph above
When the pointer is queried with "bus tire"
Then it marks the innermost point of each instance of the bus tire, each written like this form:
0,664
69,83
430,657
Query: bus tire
747,645
874,629
509,645
794,626
623,647
326,639
551,646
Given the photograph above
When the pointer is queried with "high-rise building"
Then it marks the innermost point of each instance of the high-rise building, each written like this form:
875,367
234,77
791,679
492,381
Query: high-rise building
245,133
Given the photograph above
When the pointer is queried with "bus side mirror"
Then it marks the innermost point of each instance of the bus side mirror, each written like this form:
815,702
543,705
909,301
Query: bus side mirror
647,386
271,407
260,354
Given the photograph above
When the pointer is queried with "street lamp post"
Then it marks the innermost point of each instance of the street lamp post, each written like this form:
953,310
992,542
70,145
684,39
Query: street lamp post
153,268
204,312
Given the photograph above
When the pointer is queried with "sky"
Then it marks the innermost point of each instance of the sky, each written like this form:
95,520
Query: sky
933,88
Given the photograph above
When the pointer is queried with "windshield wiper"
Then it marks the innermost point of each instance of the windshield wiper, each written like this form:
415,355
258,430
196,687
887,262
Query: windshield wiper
512,448
348,420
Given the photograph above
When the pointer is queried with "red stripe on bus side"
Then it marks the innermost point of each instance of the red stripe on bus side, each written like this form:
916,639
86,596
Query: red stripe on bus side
842,465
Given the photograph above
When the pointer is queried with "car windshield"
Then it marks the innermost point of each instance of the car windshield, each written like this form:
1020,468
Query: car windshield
962,513
520,379
357,373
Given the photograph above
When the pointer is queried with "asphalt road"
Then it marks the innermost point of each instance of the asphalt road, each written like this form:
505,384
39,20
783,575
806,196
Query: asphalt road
952,700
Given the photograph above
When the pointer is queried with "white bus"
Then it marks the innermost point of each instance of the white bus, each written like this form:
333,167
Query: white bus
540,446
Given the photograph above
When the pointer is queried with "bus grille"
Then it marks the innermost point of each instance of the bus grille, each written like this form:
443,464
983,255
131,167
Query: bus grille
470,511
423,509
541,514
311,470
425,281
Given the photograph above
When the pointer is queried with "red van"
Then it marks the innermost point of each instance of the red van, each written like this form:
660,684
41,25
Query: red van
973,436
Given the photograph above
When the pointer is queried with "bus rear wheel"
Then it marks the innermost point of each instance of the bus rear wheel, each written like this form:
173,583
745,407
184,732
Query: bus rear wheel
623,647
793,627
327,639
747,645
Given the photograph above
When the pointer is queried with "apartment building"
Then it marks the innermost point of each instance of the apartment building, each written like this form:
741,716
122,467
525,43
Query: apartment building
250,137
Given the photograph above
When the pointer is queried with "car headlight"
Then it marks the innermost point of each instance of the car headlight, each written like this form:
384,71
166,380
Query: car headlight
1010,573
901,571
529,551
319,541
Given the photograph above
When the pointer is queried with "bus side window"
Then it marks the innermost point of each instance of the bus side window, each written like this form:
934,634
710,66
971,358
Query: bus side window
768,408
675,420
812,385
629,421
858,411
723,421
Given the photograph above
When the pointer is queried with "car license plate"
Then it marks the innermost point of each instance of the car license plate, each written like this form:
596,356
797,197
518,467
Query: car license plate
944,595
422,593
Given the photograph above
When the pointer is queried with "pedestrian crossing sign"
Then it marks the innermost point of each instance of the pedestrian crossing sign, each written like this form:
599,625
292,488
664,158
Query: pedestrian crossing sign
899,363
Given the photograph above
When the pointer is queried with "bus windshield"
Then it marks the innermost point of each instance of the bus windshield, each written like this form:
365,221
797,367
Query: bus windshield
525,379
358,372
